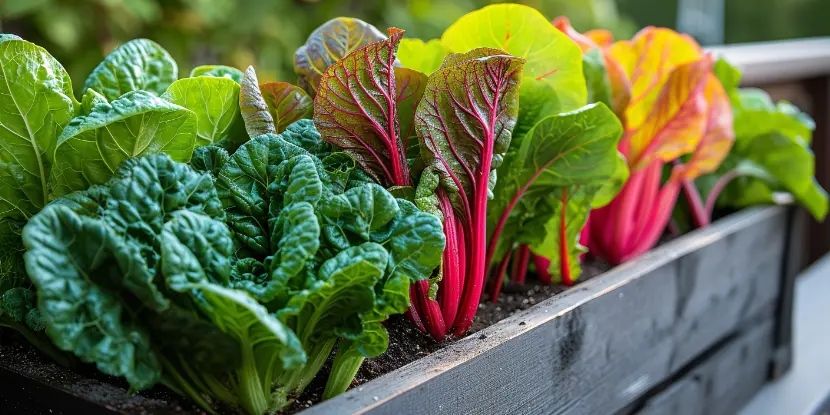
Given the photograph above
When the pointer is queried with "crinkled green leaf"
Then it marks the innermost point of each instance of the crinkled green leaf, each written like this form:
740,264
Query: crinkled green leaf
302,133
138,65
17,302
215,101
328,44
358,211
194,244
12,271
345,288
286,103
73,261
36,105
416,243
90,99
92,147
218,71
209,159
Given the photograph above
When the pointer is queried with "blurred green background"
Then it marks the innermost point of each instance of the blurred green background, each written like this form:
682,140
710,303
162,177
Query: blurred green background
265,33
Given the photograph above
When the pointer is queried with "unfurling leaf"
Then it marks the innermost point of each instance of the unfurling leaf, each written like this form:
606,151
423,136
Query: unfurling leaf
356,109
138,65
328,44
258,120
286,103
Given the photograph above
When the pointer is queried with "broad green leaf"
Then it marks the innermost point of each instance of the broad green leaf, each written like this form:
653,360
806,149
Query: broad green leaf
195,249
355,109
36,105
424,57
756,115
92,147
608,191
258,120
218,71
138,65
8,36
537,100
573,152
286,103
523,32
728,75
209,159
73,260
215,101
328,44
17,302
416,243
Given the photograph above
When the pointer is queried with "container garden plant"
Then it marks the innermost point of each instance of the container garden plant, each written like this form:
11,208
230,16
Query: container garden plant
203,234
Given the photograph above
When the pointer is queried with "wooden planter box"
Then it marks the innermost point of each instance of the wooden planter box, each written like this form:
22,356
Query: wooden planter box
695,326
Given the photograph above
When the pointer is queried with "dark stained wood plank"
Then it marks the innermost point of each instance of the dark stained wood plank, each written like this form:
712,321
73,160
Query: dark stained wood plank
724,381
605,343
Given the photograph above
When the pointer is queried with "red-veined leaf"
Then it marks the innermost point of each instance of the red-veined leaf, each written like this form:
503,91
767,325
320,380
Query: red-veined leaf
286,103
409,88
356,110
329,43
463,121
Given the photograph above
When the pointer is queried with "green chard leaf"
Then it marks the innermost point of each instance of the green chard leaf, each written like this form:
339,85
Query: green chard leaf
92,147
218,71
328,44
303,134
37,104
215,101
547,187
138,65
596,77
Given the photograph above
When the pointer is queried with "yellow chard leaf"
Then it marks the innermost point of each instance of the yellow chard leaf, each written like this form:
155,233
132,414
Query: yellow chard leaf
648,59
677,122
424,57
719,135
601,37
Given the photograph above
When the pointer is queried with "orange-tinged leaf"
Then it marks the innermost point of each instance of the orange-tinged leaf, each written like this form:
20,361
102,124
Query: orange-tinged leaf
620,85
564,25
356,109
648,60
286,103
719,135
601,37
678,120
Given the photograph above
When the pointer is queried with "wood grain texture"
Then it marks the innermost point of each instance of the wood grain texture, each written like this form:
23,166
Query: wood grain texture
724,381
605,343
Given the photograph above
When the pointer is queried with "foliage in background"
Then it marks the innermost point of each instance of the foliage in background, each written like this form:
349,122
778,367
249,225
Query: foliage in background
243,32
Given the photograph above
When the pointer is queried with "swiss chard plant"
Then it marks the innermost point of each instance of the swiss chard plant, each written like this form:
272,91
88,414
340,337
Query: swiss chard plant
444,134
678,115
771,156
